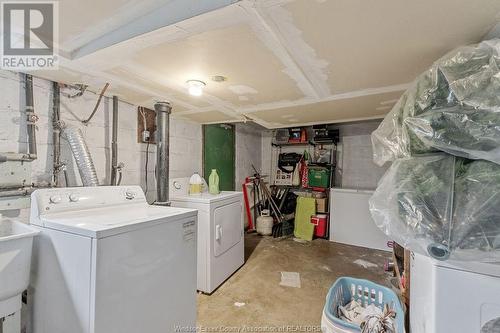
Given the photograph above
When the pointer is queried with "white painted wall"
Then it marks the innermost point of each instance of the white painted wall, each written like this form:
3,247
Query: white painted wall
185,136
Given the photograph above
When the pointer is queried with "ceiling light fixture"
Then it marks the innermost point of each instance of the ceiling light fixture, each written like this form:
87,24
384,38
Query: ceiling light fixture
195,87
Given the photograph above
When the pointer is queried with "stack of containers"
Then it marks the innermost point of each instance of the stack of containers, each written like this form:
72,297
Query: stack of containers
441,195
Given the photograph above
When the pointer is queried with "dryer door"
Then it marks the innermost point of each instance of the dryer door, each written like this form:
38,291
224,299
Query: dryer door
228,227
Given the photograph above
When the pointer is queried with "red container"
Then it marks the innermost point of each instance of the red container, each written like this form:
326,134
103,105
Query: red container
320,223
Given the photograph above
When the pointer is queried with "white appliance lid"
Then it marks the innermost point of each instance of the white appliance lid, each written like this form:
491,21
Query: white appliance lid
206,197
492,269
106,221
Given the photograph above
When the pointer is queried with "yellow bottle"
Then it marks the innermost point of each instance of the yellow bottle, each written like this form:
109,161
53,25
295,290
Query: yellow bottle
213,182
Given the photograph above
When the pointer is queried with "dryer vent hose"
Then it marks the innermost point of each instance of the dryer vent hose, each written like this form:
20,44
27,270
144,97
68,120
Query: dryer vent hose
82,156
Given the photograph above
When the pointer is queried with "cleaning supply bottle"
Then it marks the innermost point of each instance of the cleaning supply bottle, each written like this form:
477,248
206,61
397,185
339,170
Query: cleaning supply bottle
195,184
213,182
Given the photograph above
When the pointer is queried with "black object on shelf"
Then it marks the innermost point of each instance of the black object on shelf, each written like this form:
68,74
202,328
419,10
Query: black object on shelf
287,162
325,134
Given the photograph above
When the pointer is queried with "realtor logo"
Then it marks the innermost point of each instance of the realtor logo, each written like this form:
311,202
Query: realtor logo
29,35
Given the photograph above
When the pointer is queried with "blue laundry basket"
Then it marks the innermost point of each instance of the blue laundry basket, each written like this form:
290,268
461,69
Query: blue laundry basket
364,291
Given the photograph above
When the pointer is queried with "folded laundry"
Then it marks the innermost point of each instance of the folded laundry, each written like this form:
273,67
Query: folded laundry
371,318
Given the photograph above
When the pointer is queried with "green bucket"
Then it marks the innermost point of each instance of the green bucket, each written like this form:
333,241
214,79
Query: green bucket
319,177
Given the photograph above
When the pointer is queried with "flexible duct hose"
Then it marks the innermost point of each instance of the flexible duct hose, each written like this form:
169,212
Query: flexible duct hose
82,156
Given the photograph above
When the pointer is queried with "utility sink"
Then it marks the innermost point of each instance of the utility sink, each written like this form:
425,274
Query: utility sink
16,242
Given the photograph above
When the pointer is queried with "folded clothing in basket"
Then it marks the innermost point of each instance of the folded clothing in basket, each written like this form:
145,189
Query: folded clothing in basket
370,318
354,312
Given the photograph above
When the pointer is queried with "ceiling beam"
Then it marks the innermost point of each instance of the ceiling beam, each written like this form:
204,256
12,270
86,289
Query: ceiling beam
278,22
305,101
275,44
331,121
215,102
155,94
172,12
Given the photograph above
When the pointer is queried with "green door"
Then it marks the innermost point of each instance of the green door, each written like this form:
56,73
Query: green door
218,153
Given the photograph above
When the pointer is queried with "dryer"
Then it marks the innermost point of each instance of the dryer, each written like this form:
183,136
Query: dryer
220,232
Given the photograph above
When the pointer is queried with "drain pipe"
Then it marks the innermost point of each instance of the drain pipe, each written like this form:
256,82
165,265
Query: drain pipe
19,192
56,133
114,143
163,110
4,157
31,117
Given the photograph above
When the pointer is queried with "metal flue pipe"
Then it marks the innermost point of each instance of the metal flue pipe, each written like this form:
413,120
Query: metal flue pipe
114,143
163,110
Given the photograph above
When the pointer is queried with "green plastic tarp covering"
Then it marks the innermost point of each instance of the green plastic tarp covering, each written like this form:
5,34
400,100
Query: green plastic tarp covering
441,196
453,107
441,205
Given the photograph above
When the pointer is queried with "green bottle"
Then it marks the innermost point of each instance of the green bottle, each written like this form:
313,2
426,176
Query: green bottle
213,182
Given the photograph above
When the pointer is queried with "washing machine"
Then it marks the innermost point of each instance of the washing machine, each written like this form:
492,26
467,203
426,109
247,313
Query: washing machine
105,261
220,232
454,296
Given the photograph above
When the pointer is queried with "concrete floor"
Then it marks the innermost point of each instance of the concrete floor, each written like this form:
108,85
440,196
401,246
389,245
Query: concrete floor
266,303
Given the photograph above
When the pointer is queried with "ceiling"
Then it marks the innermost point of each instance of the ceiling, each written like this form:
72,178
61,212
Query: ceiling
286,62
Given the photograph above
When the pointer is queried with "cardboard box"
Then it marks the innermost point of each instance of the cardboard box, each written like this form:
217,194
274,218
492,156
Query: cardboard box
321,205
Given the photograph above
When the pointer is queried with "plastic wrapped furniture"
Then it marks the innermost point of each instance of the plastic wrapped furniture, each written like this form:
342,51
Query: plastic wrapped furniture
344,290
476,214
452,107
441,205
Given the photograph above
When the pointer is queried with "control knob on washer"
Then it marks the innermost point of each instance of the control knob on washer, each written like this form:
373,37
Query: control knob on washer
55,199
73,197
130,194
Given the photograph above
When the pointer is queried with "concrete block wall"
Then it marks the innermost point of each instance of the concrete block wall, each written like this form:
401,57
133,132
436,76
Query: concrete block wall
185,136
267,153
355,167
248,151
